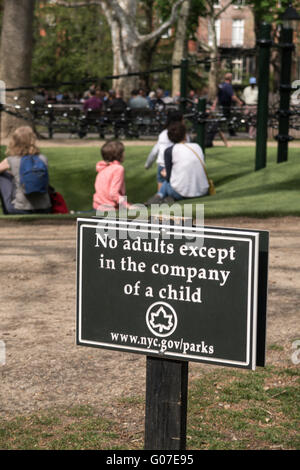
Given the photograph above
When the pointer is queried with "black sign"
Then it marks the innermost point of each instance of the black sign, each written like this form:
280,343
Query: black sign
187,293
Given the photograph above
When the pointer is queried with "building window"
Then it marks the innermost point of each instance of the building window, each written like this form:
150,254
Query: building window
239,3
237,70
167,34
218,33
237,33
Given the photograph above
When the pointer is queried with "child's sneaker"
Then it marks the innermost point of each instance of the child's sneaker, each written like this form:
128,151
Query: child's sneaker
156,199
168,200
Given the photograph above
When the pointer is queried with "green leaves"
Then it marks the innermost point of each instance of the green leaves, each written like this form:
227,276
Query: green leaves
70,44
267,10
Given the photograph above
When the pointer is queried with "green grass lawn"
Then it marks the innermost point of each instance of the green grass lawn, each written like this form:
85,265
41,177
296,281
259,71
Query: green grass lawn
272,191
227,410
241,191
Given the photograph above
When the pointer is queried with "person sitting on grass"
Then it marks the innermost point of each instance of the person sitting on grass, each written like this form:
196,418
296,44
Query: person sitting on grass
184,173
13,194
110,180
163,142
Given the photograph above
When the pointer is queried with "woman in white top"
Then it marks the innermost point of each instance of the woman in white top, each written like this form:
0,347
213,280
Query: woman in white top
163,142
184,173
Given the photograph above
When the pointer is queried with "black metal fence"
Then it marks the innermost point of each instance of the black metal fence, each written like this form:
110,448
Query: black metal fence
71,119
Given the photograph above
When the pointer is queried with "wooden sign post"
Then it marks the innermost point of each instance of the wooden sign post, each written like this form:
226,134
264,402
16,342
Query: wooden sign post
166,404
174,294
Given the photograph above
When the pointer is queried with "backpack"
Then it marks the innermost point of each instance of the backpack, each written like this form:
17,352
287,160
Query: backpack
33,175
58,204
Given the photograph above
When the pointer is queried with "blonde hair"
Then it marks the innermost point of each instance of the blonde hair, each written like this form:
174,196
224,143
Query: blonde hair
22,142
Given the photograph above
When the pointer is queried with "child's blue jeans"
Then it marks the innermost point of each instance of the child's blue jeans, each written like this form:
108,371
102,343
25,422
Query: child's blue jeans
167,190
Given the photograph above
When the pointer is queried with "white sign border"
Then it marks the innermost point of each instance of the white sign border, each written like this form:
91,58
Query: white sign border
252,287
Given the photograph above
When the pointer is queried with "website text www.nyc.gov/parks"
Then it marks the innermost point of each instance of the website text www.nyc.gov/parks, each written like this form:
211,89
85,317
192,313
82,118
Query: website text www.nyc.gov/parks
163,344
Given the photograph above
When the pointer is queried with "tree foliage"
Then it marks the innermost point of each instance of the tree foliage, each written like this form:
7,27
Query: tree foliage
267,10
70,45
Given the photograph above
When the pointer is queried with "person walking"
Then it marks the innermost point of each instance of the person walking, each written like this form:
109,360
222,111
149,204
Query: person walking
250,98
225,98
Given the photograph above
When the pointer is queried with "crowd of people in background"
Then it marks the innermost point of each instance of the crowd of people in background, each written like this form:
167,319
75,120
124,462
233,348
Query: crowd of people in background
96,103
95,98
44,96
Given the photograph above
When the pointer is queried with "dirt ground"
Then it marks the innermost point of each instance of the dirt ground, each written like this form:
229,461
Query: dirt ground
44,367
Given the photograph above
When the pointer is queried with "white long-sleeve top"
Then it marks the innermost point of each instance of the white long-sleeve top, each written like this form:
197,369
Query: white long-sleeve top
184,170
158,151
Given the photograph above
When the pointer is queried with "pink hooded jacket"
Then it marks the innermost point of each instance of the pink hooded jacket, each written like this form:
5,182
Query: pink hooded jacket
109,185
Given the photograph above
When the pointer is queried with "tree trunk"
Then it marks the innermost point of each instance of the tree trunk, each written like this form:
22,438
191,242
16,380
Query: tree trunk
127,42
150,48
215,70
16,55
126,58
213,75
180,45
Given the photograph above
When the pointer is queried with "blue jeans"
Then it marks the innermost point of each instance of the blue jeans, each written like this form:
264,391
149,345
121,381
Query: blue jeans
167,190
160,179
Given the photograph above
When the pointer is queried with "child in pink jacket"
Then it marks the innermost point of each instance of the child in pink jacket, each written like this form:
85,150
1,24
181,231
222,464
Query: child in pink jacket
110,180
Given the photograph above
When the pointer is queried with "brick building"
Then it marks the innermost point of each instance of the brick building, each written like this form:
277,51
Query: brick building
235,39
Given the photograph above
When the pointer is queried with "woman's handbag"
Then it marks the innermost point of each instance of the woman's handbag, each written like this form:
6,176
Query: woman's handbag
211,189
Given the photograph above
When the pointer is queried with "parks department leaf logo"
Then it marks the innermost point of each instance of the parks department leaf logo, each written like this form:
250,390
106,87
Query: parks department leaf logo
161,319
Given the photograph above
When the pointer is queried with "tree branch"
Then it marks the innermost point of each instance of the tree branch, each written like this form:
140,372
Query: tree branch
223,9
204,46
109,7
87,3
123,17
125,20
159,31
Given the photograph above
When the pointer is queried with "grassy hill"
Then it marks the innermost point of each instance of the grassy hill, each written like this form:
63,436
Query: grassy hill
272,191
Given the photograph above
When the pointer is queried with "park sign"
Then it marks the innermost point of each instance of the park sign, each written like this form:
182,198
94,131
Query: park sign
173,292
